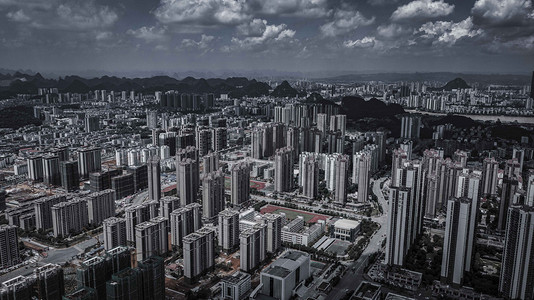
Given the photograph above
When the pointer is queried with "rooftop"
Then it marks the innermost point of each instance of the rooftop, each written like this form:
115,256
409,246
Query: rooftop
346,224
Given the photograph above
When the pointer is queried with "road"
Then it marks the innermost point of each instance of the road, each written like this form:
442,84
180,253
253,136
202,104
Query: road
55,256
352,279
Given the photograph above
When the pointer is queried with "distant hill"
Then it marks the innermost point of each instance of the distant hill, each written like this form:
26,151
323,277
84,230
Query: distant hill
484,79
315,98
357,108
235,86
455,84
285,90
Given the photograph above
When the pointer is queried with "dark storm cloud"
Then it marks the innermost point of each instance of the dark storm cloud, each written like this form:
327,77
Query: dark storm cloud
289,35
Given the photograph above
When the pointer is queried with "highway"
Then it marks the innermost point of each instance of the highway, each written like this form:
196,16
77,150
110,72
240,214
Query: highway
352,279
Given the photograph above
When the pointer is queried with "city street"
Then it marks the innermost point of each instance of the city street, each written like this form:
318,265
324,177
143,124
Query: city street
352,278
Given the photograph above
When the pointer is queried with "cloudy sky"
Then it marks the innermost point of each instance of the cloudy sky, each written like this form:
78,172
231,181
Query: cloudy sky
286,35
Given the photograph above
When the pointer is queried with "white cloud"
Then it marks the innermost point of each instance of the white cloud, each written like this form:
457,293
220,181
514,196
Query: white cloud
503,12
85,15
202,12
381,2
18,16
271,38
302,8
149,34
449,32
255,27
366,42
202,44
422,9
391,31
345,21
103,35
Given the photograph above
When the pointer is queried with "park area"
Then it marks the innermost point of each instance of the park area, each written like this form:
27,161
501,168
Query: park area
291,214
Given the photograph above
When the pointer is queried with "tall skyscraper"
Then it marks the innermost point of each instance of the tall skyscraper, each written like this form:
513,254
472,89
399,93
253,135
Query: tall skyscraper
341,173
152,119
398,235
69,175
410,127
9,246
69,217
43,210
35,168
114,231
240,183
185,220
516,281
252,247
458,241
89,161
154,178
136,215
153,270
151,238
51,175
490,176
283,170
198,253
309,175
188,181
228,225
92,123
274,232
210,162
50,283
219,139
167,205
361,170
203,141
212,194
125,284
509,189
100,205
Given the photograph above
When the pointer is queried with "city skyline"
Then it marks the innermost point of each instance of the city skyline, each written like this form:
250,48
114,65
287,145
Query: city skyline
306,36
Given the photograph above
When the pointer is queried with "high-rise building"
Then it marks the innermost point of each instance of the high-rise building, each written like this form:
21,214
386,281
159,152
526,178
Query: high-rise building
212,194
309,175
114,231
69,175
151,238
92,123
281,277
125,284
19,287
167,205
256,138
219,139
410,127
100,205
136,215
51,175
123,185
283,170
153,274
35,168
509,189
228,225
100,181
235,286
154,179
398,235
274,232
210,163
69,217
361,170
185,220
517,267
140,177
2,199
198,253
458,241
341,174
322,124
152,119
188,183
252,247
43,210
50,284
240,183
490,176
89,161
204,141
9,246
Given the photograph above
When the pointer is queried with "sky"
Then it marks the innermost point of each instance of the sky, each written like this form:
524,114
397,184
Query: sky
475,36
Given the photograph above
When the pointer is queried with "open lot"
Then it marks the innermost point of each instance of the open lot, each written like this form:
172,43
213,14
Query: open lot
291,214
